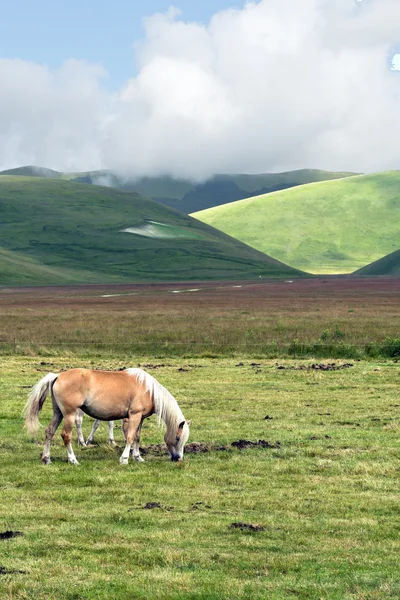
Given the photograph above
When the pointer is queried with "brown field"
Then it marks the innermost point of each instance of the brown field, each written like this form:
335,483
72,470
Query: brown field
263,317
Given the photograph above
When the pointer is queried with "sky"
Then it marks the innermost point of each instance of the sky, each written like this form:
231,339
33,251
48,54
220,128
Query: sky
144,87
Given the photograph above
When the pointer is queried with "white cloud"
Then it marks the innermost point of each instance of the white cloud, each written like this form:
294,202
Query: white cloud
280,84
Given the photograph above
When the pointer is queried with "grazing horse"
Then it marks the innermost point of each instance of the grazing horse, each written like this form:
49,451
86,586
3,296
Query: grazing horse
132,395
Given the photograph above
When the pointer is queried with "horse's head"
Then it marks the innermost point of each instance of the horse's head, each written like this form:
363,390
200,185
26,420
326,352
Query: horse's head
176,440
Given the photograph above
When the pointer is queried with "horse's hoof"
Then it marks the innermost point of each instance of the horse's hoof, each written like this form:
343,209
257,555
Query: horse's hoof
73,462
123,461
112,443
82,443
46,460
138,458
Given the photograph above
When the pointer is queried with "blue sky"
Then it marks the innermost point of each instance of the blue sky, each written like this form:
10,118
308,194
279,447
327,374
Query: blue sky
99,31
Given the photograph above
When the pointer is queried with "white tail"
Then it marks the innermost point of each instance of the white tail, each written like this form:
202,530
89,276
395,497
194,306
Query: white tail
36,400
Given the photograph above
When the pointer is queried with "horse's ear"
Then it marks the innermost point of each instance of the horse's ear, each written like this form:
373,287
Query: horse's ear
189,422
181,425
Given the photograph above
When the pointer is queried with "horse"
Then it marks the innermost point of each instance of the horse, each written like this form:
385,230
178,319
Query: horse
96,424
131,395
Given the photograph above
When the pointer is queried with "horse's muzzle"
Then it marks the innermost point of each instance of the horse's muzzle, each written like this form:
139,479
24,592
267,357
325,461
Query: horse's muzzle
176,458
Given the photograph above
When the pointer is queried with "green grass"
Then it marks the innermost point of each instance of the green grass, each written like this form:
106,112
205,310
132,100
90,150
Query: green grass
328,227
73,233
327,497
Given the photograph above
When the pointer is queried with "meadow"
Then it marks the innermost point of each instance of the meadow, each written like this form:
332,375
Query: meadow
308,510
336,226
328,317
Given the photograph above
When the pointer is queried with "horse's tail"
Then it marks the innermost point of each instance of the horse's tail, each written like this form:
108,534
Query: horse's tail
36,400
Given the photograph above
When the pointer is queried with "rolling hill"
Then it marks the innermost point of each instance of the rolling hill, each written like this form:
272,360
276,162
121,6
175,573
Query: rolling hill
59,231
326,227
388,266
187,196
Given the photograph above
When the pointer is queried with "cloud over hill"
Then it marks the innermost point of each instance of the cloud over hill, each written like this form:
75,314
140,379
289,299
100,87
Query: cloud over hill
277,85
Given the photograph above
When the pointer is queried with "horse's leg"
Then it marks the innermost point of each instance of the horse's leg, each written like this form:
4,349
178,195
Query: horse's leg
134,421
111,433
94,429
50,431
136,442
66,435
78,423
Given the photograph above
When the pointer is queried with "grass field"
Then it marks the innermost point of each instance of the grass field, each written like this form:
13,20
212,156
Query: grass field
333,317
325,227
55,231
308,510
316,514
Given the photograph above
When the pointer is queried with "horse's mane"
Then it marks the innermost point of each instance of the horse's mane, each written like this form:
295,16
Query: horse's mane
165,406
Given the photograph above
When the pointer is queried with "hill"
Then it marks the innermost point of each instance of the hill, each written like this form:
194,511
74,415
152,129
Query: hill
31,171
188,196
57,231
326,227
388,266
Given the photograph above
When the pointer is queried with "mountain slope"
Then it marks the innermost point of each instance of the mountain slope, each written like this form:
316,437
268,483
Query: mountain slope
326,227
388,266
71,232
187,196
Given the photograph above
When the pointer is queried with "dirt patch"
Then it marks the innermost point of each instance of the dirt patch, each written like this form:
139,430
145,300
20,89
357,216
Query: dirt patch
199,505
5,571
316,367
152,505
241,444
151,366
247,526
6,535
200,447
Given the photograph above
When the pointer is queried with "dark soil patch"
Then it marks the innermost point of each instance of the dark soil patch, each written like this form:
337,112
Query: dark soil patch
151,366
199,506
260,444
246,526
6,535
316,367
5,571
200,447
152,505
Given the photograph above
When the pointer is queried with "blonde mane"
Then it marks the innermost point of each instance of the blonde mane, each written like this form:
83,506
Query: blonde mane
165,406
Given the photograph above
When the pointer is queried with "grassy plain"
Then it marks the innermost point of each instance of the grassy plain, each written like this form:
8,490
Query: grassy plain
325,227
324,500
333,317
316,513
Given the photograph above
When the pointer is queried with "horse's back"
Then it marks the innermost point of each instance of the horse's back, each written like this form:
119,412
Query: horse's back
105,395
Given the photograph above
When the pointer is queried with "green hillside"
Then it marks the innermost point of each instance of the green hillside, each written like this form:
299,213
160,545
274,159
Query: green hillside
388,266
31,171
188,196
326,227
57,231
